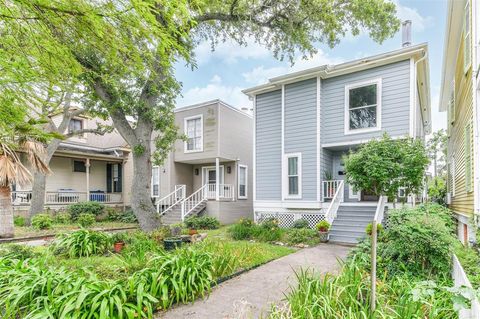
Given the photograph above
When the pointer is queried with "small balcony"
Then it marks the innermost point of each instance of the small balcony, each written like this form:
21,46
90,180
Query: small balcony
225,192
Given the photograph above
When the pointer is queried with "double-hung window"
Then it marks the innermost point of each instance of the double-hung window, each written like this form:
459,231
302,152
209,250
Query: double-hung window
293,178
75,125
363,107
194,133
242,181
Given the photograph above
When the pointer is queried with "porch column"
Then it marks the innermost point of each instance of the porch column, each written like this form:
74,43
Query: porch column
217,179
87,166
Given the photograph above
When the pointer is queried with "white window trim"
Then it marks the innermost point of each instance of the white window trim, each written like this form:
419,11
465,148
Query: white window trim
452,169
185,121
240,166
348,87
467,37
151,183
299,173
205,177
404,192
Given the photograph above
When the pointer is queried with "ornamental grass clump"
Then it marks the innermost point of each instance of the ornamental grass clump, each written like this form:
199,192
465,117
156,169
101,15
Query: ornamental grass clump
82,243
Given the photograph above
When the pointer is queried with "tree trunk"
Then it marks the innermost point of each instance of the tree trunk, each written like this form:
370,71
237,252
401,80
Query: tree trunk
141,193
6,213
37,204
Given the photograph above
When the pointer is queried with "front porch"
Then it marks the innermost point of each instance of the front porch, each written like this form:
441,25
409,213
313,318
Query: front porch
76,179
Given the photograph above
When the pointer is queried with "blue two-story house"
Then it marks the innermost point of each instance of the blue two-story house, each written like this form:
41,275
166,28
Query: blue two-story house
305,121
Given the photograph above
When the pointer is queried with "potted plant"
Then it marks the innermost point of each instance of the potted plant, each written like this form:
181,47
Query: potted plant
171,243
118,242
323,227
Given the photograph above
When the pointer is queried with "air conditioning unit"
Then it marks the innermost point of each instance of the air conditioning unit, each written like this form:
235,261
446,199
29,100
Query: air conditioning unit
449,198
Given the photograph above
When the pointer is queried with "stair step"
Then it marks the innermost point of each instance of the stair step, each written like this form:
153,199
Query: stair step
345,238
354,228
354,215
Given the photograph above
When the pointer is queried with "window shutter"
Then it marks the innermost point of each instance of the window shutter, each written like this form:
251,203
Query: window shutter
451,104
109,178
119,184
467,37
468,158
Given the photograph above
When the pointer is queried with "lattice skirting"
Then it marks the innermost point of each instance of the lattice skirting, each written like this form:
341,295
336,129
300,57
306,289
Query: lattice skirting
286,219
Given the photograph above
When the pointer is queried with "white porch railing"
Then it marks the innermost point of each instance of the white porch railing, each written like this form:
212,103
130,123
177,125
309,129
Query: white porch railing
330,188
192,201
460,279
166,203
225,191
335,203
66,197
379,213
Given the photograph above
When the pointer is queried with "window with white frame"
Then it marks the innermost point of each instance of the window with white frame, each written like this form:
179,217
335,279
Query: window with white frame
155,181
293,163
363,107
452,172
194,133
242,181
75,125
467,38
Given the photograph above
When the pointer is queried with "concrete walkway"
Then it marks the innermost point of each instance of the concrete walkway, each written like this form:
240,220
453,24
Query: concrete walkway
251,294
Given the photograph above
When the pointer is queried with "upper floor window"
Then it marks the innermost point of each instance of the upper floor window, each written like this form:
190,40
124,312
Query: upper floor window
75,125
363,107
155,181
194,132
293,181
242,181
79,166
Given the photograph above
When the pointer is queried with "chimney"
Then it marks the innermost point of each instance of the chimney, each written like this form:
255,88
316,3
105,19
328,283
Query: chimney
406,33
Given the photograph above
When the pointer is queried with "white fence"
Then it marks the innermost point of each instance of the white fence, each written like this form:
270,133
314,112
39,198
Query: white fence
20,198
287,219
460,279
225,191
329,188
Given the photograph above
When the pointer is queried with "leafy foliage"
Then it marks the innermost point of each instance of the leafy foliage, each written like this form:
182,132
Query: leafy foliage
19,221
17,251
86,220
369,227
62,218
384,165
203,222
437,190
323,226
42,221
295,236
82,243
94,208
300,223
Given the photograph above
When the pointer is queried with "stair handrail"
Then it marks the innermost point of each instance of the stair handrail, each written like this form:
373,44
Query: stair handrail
335,203
192,201
169,201
377,219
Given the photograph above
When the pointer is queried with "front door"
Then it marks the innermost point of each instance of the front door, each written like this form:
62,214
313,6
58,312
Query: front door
210,178
339,173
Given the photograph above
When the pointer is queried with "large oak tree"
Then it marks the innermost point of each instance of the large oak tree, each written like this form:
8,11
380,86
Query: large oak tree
123,52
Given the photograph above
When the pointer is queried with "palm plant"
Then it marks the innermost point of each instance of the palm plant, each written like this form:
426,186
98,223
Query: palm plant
21,145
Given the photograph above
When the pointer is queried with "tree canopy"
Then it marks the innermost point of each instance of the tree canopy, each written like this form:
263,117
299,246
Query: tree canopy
382,166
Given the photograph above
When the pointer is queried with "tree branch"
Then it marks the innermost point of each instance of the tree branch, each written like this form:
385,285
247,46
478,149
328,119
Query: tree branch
97,131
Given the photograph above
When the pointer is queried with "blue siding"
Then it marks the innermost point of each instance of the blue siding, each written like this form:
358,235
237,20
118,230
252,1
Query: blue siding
395,102
268,152
301,131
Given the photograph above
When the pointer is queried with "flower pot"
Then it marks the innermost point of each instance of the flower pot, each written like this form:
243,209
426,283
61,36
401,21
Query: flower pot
117,247
192,232
323,236
172,243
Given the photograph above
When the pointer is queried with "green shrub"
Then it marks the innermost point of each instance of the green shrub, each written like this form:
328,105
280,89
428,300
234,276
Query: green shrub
42,221
270,223
246,222
241,231
86,220
17,251
19,221
300,223
62,218
82,243
420,245
94,208
204,222
294,236
369,227
470,260
267,232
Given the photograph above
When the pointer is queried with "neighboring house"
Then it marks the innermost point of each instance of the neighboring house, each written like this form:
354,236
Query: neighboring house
86,167
459,96
211,170
306,121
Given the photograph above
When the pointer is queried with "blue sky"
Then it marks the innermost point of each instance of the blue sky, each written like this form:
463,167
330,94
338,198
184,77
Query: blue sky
230,68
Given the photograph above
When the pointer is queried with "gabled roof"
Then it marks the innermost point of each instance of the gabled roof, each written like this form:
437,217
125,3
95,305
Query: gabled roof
451,44
206,103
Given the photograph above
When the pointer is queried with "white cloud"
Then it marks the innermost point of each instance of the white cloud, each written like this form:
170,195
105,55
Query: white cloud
215,89
261,74
230,52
